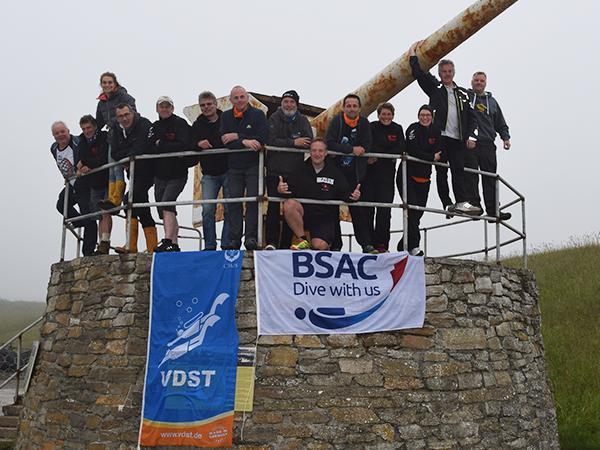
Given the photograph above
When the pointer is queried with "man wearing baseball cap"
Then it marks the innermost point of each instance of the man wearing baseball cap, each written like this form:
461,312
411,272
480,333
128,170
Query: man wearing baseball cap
287,128
169,134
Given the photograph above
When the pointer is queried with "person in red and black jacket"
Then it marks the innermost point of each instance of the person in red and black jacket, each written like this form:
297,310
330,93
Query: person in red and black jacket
93,153
169,134
388,137
423,142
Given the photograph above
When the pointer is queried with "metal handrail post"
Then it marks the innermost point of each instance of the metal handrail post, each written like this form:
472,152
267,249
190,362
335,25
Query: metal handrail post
524,234
78,244
404,163
261,191
64,229
130,203
485,240
497,220
18,376
425,242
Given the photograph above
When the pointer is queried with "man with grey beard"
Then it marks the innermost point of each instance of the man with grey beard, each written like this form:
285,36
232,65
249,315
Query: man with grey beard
287,128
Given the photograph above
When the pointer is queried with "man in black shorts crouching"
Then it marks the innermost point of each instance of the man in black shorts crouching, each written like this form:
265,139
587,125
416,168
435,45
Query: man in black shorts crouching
316,178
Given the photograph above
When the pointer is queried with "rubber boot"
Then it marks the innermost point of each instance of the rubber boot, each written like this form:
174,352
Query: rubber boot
151,239
133,238
107,202
116,198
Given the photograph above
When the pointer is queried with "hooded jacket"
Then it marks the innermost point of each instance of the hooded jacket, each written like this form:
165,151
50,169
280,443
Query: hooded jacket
134,141
282,132
93,153
173,135
252,125
423,143
339,139
105,111
438,100
490,119
203,128
328,184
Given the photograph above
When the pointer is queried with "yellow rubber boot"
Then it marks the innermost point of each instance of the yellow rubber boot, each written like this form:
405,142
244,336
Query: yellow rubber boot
151,239
116,197
133,238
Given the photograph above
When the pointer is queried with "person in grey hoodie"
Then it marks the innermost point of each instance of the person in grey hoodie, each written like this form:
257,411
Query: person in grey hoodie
490,121
287,128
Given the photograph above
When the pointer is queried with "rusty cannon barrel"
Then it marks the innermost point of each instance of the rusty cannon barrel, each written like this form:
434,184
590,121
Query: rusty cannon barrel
397,75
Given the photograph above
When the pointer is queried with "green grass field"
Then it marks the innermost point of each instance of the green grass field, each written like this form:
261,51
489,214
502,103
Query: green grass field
14,316
569,284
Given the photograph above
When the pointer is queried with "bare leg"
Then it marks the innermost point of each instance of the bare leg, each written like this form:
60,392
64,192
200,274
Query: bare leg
171,226
319,244
105,225
294,216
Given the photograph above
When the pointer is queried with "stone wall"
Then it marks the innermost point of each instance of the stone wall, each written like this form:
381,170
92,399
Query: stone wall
472,377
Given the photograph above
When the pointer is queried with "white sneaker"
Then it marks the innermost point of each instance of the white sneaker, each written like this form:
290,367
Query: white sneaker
416,252
467,208
270,247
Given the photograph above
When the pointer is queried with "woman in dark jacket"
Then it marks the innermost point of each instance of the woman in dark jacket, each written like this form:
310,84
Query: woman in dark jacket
388,137
423,142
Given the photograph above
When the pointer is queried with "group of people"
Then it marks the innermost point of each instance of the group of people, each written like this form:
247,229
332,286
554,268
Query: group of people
457,126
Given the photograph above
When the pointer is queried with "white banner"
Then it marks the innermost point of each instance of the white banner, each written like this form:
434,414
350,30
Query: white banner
310,292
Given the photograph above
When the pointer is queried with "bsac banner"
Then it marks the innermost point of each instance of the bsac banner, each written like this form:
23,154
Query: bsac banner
189,389
310,292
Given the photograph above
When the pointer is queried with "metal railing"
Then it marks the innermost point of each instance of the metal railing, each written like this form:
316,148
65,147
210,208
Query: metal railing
16,375
260,197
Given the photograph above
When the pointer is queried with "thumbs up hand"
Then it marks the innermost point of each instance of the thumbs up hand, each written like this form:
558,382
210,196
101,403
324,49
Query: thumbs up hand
283,187
356,193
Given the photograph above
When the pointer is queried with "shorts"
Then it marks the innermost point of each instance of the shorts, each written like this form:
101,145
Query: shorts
168,191
96,195
319,225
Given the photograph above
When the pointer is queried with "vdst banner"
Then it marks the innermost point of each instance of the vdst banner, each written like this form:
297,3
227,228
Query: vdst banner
189,389
308,292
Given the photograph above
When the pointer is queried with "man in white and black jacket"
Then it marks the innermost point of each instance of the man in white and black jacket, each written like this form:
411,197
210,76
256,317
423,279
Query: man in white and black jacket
291,129
169,134
455,117
316,178
490,121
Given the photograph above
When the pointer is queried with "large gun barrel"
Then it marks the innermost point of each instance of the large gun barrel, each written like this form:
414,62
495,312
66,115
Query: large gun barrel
397,75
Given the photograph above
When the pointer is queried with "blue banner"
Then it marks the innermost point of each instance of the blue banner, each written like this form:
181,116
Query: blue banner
189,388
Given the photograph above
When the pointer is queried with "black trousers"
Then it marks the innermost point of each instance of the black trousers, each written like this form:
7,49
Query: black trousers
378,186
141,186
80,195
483,157
278,232
416,195
453,152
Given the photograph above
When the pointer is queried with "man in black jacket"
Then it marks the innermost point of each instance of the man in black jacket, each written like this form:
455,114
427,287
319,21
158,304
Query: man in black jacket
130,138
93,152
169,134
423,142
316,178
65,151
350,133
243,127
287,128
490,121
206,135
455,117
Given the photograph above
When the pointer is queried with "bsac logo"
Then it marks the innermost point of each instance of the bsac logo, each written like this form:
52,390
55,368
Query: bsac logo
335,317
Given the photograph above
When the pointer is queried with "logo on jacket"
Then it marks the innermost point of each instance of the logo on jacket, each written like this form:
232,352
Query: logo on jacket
431,140
333,318
392,137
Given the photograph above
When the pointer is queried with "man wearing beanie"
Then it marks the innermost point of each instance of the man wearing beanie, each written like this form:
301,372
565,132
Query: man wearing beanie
287,128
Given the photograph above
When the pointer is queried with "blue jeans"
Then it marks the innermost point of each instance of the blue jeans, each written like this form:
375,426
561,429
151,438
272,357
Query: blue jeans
211,185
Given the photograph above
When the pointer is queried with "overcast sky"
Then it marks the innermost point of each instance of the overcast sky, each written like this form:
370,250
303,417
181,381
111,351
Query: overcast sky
540,58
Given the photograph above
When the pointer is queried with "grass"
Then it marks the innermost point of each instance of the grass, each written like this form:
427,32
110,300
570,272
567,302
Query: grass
16,315
569,284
